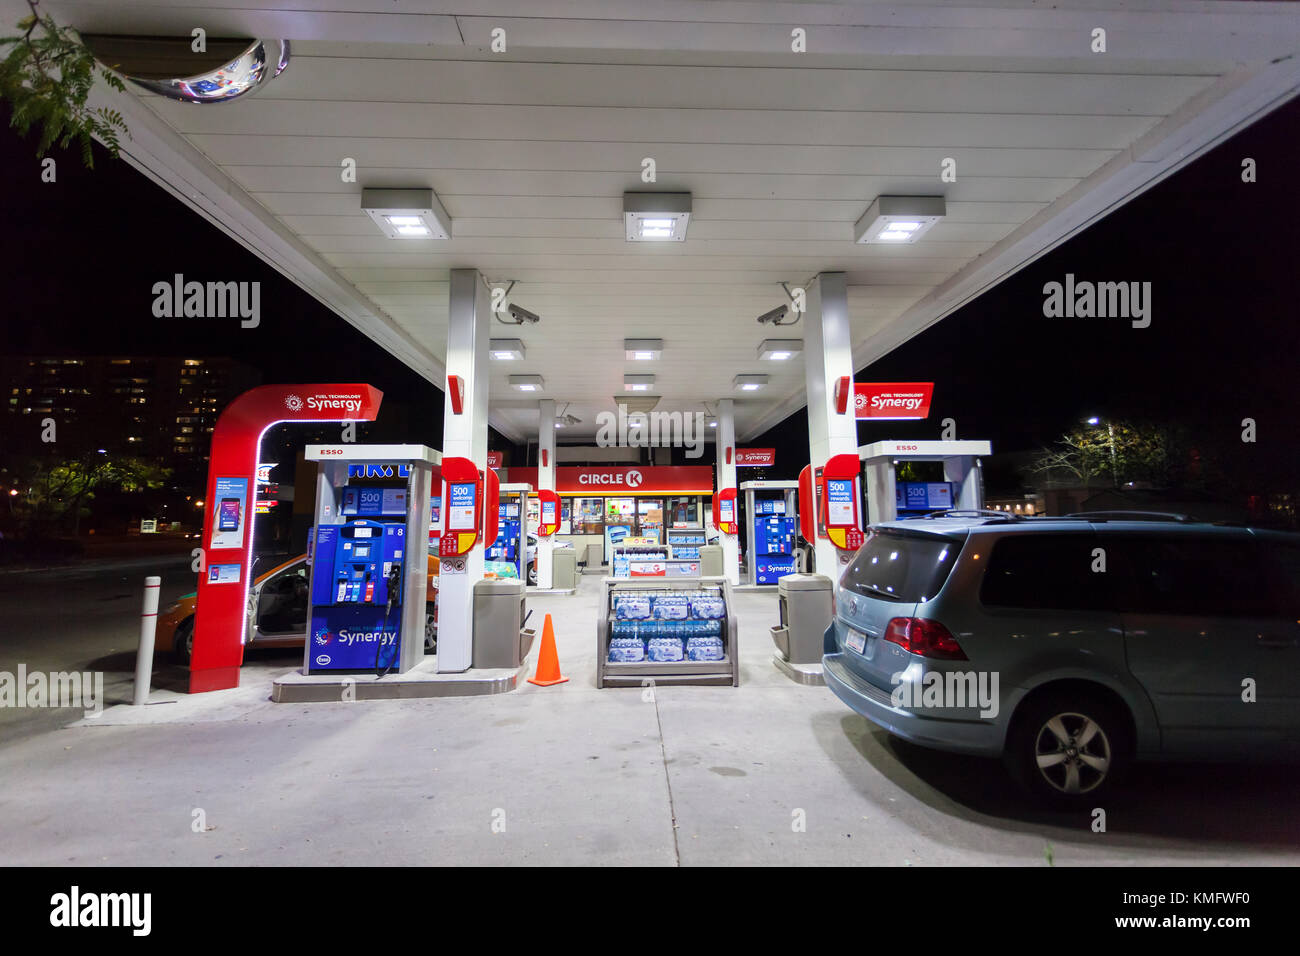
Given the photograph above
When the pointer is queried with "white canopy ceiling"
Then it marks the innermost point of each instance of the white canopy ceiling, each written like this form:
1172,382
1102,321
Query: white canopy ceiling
530,151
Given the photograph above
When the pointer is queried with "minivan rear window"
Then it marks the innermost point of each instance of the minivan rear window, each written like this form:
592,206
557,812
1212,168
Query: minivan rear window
901,566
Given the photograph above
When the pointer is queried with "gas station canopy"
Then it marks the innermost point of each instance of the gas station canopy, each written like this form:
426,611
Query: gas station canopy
529,150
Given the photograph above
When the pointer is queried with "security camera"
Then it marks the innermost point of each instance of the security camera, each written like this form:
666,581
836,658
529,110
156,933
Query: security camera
523,315
774,317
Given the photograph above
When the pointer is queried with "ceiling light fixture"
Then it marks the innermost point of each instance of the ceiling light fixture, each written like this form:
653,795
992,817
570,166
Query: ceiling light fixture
506,350
656,217
407,213
899,219
779,350
638,383
636,403
643,350
527,383
749,383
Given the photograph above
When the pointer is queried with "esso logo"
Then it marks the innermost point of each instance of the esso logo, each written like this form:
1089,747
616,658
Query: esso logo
633,479
905,448
322,659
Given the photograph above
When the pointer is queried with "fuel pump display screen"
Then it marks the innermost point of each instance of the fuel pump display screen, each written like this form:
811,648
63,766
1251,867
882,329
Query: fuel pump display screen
460,508
839,502
361,551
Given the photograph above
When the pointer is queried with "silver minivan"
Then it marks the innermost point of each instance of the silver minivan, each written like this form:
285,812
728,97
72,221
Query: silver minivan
1069,646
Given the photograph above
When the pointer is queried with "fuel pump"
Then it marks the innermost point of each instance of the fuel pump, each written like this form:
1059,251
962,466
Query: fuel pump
772,530
369,559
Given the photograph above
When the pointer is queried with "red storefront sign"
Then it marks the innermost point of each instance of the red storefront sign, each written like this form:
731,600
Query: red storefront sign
892,401
601,481
494,460
220,609
755,457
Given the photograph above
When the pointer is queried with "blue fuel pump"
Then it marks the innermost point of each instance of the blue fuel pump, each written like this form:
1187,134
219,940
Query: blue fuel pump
352,603
369,557
771,530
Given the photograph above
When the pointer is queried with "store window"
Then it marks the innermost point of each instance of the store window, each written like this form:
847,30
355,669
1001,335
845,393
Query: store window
683,512
589,516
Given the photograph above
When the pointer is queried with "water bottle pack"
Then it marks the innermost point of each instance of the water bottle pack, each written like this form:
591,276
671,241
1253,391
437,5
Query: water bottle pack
671,607
708,607
629,607
629,650
664,649
704,649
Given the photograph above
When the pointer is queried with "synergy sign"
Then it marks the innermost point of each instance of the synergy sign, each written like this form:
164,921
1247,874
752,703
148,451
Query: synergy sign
755,457
892,401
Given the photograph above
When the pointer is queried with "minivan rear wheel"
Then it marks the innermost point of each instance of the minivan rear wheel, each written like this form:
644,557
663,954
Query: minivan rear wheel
1067,749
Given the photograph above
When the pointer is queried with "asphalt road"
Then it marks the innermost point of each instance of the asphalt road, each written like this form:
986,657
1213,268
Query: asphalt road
81,618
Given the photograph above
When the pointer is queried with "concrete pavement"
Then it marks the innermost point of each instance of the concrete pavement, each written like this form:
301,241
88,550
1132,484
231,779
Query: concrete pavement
575,775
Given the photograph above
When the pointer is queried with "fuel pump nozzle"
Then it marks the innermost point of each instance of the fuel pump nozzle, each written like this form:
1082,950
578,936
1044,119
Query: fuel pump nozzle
394,579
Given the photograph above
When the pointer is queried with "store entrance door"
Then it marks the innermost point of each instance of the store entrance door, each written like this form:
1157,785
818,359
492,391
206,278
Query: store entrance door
650,519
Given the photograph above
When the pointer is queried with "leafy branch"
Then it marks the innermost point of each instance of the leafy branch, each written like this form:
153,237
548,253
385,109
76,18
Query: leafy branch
47,77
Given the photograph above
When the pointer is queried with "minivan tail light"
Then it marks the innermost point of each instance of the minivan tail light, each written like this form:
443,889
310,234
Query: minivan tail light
925,638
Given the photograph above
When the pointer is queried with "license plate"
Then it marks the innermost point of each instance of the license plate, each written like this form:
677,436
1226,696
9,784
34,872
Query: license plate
855,641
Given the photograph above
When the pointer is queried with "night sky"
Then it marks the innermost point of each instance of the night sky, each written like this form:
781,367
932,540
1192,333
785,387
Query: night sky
79,258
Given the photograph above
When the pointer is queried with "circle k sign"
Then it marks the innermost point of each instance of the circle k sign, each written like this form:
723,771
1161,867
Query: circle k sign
627,479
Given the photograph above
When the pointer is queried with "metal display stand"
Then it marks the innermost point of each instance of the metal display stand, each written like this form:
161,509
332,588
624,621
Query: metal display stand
686,542
634,674
651,561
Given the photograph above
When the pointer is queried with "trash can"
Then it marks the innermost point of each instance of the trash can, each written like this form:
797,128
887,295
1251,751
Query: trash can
564,568
595,557
805,606
499,636
711,560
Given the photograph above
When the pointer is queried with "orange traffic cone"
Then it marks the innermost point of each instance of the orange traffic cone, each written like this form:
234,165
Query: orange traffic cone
548,661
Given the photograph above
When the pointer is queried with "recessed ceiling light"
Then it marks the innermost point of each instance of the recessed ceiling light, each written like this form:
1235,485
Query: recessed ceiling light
779,350
656,217
407,213
749,383
638,383
506,350
899,218
643,350
527,383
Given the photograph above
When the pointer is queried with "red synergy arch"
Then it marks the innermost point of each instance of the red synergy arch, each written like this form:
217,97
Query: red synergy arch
219,615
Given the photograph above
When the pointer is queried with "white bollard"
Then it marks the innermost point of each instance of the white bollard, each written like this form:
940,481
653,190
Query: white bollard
144,656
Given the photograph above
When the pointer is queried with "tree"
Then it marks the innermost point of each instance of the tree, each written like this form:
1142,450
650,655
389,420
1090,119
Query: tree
1160,456
47,76
55,492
